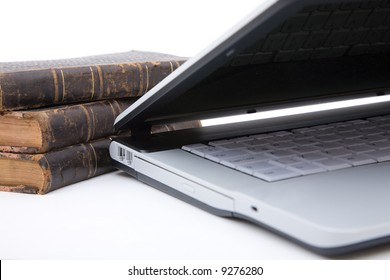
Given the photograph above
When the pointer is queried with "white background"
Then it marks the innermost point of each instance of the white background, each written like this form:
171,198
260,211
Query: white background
113,216
58,29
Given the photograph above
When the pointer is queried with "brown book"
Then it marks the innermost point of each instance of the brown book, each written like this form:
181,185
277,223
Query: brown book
42,173
33,84
45,129
45,172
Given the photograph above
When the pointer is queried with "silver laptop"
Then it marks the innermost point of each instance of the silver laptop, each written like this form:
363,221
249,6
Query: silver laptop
319,177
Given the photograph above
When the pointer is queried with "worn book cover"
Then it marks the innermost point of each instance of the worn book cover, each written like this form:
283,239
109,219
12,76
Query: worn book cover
42,173
45,172
45,129
33,84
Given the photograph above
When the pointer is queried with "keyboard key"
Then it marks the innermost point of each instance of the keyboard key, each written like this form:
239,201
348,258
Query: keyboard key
304,130
372,131
305,149
381,145
312,156
333,163
328,145
275,174
204,151
380,155
374,138
305,168
300,136
329,138
242,160
282,145
351,142
262,136
358,122
281,133
350,134
221,155
279,153
231,146
286,161
308,141
242,139
255,166
342,128
357,160
337,152
254,143
362,148
257,149
193,147
379,118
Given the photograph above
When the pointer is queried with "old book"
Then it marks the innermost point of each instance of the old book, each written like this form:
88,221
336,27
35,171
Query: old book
34,84
45,129
45,172
42,173
42,130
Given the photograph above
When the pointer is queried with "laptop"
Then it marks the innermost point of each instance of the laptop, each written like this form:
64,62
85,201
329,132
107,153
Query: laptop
318,174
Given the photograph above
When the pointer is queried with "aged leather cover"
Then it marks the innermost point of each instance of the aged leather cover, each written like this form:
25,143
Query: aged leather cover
59,168
62,126
33,84
59,127
66,166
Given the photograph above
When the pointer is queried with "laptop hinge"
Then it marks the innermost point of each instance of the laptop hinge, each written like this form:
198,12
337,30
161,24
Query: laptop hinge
141,131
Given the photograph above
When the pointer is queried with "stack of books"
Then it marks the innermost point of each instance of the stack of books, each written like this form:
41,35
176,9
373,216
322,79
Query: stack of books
57,116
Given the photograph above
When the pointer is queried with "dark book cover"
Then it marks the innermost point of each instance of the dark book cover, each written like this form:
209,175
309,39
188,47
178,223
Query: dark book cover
42,173
33,84
45,129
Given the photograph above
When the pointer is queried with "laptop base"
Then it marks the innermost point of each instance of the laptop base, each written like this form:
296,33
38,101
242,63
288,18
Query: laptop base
329,252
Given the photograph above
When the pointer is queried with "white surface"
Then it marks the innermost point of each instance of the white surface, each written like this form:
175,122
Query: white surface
113,216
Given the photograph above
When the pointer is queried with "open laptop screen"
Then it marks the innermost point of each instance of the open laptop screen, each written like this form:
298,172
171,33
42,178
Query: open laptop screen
296,51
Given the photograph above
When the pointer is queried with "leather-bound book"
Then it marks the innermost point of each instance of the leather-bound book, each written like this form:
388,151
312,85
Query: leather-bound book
33,84
44,129
42,173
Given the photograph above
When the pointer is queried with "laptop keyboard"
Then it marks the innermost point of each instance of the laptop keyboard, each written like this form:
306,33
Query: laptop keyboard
287,154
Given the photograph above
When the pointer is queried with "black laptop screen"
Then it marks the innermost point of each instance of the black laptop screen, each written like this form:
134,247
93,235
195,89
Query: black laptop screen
312,50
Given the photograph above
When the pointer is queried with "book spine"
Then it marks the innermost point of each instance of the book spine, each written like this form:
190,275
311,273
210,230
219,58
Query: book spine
69,125
76,164
66,166
46,87
79,123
